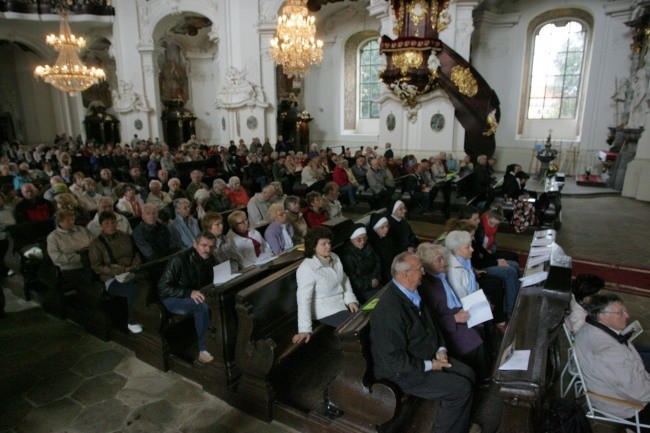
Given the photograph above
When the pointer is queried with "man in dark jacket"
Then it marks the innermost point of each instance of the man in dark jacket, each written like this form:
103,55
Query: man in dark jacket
180,286
151,237
408,349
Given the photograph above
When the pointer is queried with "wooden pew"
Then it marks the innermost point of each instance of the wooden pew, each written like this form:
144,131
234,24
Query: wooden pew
536,324
368,404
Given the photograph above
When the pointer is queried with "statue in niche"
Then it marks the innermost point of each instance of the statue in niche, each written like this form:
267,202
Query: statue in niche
128,100
172,79
639,108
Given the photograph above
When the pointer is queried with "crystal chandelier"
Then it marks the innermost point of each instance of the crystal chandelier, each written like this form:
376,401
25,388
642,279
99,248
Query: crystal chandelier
68,74
294,45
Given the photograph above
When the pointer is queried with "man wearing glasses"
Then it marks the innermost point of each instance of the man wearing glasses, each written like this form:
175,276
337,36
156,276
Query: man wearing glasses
610,364
179,287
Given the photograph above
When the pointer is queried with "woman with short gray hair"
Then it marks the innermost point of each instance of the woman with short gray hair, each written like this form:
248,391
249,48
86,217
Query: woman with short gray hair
464,343
185,228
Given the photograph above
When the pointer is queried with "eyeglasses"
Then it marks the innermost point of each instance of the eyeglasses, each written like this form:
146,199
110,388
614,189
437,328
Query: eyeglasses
619,313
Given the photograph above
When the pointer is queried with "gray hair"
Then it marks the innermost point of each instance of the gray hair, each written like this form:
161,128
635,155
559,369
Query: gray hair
400,265
428,253
220,182
601,302
201,194
155,183
181,201
457,239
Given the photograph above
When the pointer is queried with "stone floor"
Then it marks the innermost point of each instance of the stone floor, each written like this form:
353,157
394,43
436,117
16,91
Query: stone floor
55,378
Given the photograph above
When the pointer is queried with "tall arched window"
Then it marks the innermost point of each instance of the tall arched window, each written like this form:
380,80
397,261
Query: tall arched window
369,83
556,69
558,60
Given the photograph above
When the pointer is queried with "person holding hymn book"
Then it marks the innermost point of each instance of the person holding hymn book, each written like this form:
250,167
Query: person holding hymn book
324,292
464,343
113,257
409,350
461,276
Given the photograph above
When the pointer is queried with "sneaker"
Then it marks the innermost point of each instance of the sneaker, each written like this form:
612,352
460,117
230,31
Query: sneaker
205,357
134,328
475,428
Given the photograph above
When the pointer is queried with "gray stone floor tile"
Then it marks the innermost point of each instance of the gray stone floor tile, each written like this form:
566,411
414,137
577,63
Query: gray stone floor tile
99,388
143,389
98,363
57,363
106,416
50,417
132,367
13,410
154,417
185,393
54,388
205,418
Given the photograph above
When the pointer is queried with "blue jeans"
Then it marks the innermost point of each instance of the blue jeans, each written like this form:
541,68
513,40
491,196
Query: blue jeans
510,277
200,311
350,190
126,290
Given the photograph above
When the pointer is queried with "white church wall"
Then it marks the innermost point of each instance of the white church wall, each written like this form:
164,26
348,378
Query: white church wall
499,55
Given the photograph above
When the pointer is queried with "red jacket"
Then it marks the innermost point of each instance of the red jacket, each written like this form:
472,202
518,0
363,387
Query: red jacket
313,218
340,177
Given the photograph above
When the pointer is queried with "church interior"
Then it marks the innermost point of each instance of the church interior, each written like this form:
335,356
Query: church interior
558,88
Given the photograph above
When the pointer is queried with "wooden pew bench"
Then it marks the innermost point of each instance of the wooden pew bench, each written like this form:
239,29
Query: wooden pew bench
366,403
267,314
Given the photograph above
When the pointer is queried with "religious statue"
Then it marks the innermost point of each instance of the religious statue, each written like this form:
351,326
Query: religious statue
127,100
639,108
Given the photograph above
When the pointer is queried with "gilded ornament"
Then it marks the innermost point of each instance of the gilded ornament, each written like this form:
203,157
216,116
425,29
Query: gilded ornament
434,15
464,81
399,20
407,59
417,11
492,123
443,20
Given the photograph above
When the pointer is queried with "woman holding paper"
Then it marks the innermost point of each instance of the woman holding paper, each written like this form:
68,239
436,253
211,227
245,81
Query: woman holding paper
462,278
464,343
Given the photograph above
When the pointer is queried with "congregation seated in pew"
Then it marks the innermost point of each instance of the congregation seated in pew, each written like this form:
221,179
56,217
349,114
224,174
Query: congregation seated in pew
382,244
258,205
175,190
279,233
315,214
409,350
218,201
401,231
224,248
296,218
33,207
361,264
179,288
151,236
113,257
157,196
324,292
464,343
105,204
331,202
237,195
64,246
185,227
250,246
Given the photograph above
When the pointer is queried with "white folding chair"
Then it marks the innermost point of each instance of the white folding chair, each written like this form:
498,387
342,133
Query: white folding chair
570,370
594,413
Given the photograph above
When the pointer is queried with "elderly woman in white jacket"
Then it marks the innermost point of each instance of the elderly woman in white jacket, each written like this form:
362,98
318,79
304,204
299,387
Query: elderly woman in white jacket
324,291
250,246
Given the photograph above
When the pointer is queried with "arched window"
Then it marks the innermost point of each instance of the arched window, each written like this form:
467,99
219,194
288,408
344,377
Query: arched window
557,67
369,83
